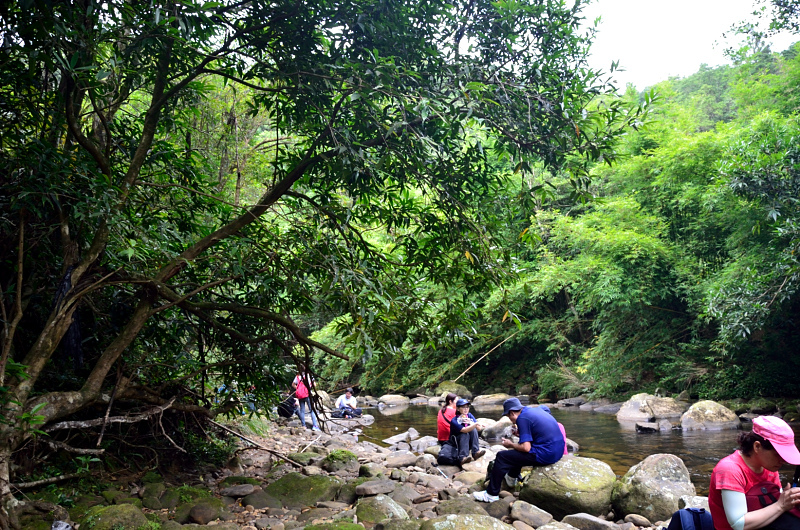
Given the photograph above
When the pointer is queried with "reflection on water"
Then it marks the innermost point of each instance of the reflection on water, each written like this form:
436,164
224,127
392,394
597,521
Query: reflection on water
600,436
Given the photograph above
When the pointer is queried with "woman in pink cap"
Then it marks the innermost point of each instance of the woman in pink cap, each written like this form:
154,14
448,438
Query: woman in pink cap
751,473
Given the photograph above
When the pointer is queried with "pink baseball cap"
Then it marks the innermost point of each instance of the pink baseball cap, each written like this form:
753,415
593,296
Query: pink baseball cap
780,436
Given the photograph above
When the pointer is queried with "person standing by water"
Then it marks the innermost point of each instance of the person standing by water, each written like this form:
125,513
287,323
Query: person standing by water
743,483
446,414
540,444
303,397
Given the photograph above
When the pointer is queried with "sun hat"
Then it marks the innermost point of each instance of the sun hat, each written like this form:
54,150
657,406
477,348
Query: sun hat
780,436
511,404
461,402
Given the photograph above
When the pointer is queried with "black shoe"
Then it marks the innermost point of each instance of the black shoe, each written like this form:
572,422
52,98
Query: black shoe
466,460
477,454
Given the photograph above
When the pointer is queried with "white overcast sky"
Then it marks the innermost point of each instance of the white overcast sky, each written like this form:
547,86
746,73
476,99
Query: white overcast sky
653,40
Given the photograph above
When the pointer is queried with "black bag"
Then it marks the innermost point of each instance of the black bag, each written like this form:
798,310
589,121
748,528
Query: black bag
337,414
765,493
448,454
286,408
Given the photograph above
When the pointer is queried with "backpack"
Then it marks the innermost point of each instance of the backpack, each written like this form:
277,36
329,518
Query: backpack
302,391
286,408
691,519
765,493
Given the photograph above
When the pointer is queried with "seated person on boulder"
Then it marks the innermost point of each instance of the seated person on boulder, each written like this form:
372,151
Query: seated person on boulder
540,444
348,405
464,445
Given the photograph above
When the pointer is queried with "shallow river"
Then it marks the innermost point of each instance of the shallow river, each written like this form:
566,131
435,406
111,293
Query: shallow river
598,435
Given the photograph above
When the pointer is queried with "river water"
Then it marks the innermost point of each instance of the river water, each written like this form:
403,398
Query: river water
599,436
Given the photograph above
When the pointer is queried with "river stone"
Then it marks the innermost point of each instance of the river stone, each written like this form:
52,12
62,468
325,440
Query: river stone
584,521
423,443
433,450
340,460
410,434
296,491
207,509
305,459
405,495
762,406
571,485
240,490
398,524
371,470
470,477
501,508
378,508
556,525
693,501
460,505
375,487
446,387
347,493
652,487
637,520
709,415
612,408
530,514
647,408
500,428
571,402
113,517
400,459
426,462
260,500
489,400
480,465
393,400
465,522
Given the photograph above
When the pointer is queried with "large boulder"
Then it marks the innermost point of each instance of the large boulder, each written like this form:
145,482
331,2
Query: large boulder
465,522
648,408
653,487
497,430
481,465
529,514
340,460
378,508
460,506
457,389
116,516
393,400
489,400
571,485
709,415
294,490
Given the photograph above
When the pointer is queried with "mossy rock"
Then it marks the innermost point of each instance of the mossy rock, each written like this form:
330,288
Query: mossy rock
297,491
378,508
762,405
399,524
260,499
114,517
136,501
235,480
111,496
172,497
340,459
455,388
347,493
182,511
303,458
151,477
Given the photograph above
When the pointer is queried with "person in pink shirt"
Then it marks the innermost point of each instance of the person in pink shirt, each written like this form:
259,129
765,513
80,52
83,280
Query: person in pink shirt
754,467
561,427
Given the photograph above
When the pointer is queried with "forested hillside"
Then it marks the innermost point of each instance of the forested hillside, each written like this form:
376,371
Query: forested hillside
680,271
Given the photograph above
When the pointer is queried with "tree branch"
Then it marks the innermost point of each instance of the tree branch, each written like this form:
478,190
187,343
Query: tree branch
84,424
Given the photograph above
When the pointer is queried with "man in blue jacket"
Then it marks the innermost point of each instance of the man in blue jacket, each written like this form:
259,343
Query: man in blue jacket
540,444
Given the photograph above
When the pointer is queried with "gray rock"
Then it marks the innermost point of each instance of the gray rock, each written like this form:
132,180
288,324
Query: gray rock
315,513
401,459
240,490
376,487
371,470
312,471
378,508
456,388
267,523
709,415
556,525
648,408
693,501
612,408
489,400
519,525
497,430
393,400
571,402
419,445
530,514
407,436
405,495
584,521
501,508
426,462
460,506
652,487
465,522
571,485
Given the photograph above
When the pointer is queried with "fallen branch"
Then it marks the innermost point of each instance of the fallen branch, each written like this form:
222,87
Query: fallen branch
482,357
248,440
83,424
77,450
44,481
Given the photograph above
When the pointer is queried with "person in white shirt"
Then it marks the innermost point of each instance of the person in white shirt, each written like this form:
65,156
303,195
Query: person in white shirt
348,405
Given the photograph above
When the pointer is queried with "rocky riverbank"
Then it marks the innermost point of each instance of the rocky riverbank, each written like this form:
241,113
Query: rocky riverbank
296,478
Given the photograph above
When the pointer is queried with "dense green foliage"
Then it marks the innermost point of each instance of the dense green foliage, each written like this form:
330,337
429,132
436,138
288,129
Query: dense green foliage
682,273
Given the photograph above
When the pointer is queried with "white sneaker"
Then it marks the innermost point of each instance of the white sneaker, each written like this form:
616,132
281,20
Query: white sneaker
511,482
483,496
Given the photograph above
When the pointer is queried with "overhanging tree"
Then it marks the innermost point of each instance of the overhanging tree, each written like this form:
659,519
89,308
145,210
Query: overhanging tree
120,244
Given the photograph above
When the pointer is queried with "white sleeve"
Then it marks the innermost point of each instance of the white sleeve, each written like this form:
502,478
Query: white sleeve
339,402
735,505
